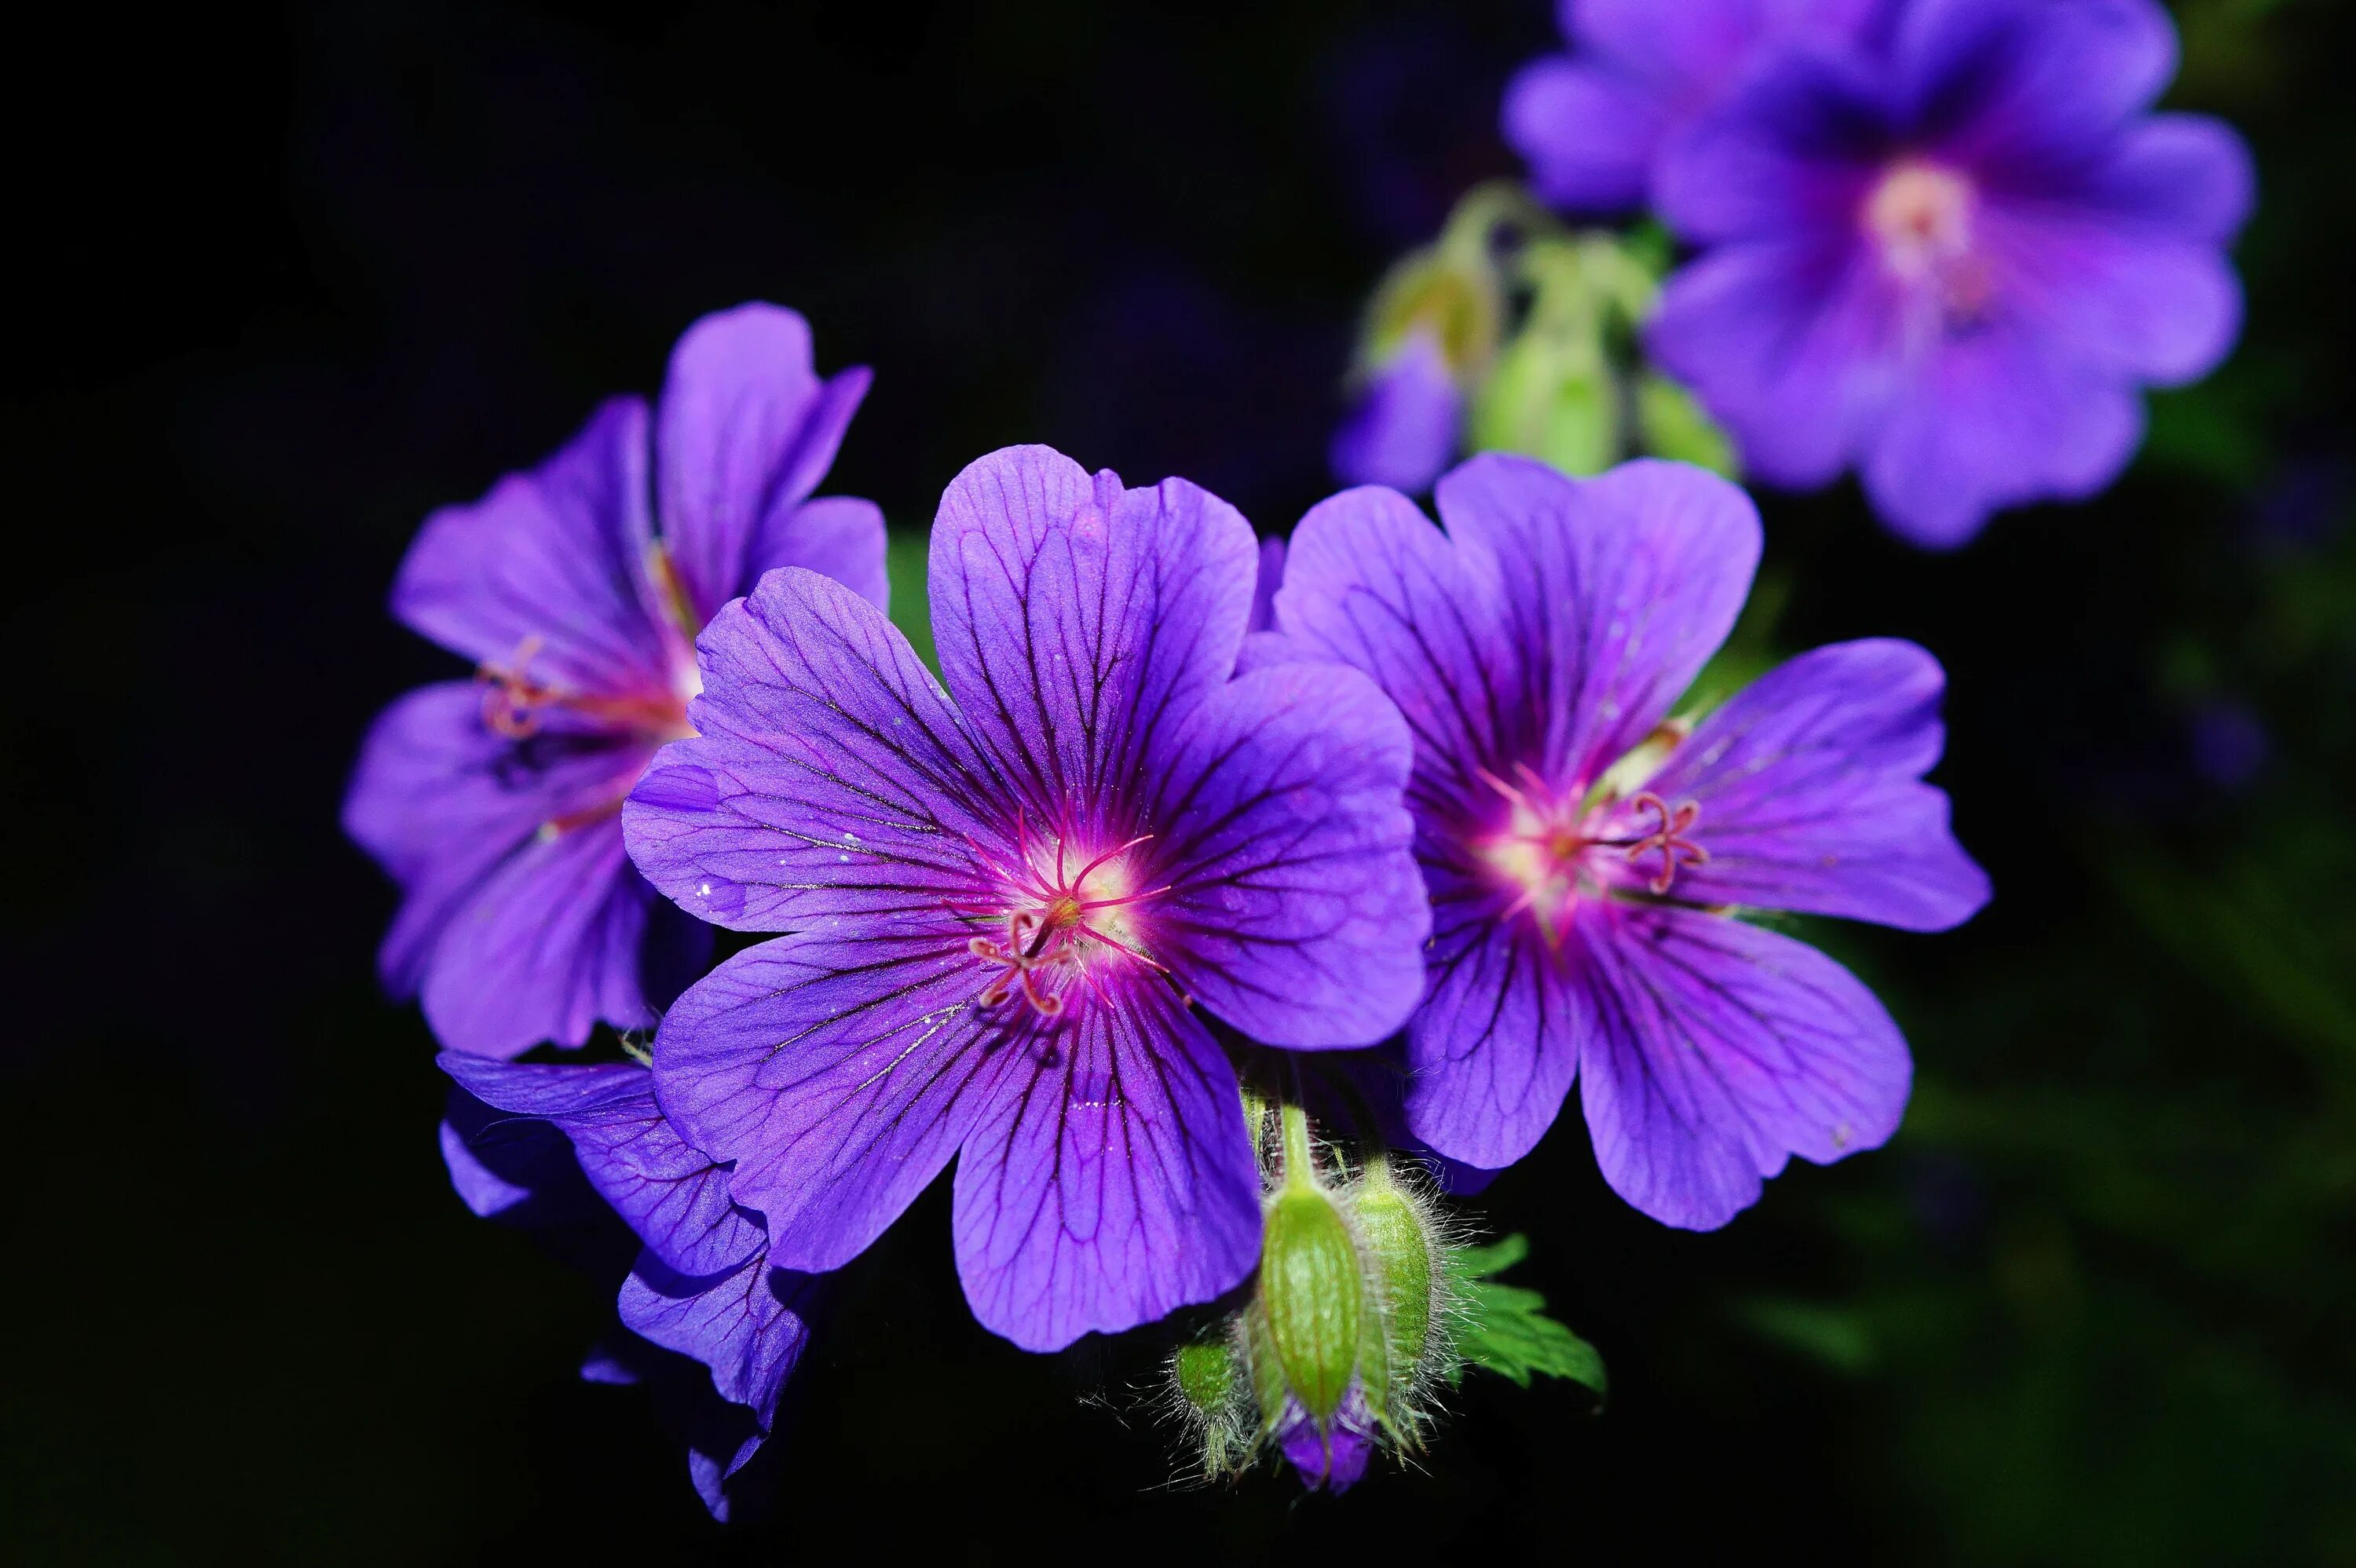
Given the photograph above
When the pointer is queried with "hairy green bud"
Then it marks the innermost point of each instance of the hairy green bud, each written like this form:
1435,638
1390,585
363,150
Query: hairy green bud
1397,1242
1312,1296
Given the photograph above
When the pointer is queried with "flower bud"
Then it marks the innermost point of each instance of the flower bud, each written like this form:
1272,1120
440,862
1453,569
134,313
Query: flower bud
1312,1296
1399,1242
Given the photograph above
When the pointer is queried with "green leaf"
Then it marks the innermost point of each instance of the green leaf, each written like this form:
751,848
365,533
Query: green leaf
1509,1333
1504,1329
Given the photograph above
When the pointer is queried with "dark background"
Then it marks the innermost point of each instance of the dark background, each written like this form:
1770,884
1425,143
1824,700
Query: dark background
287,280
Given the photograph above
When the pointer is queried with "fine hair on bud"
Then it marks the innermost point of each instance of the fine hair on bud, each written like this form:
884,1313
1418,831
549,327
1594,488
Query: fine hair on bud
1404,1233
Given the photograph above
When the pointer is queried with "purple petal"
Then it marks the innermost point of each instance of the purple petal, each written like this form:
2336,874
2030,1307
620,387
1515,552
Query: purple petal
1496,1045
747,1325
2120,295
432,775
1297,913
1785,344
1617,589
1717,1051
2184,175
840,537
1791,151
1265,582
747,430
1404,426
553,558
839,1073
1330,1455
2027,83
830,776
517,1172
1111,1180
673,1197
547,946
1809,784
442,802
1991,420
1686,48
1587,135
1076,620
1371,584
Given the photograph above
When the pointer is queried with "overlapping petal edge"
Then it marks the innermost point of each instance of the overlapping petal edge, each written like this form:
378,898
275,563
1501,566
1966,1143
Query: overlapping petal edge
703,1285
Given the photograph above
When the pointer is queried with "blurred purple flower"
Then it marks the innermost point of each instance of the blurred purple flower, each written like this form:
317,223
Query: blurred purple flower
1953,257
1582,854
1005,896
1592,122
578,588
2229,745
701,1288
1403,429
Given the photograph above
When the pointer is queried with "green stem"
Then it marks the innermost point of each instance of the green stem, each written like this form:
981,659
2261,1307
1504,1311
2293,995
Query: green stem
1299,1164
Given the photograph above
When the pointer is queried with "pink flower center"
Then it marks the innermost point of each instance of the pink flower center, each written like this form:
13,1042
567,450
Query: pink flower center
1551,848
1062,915
1920,217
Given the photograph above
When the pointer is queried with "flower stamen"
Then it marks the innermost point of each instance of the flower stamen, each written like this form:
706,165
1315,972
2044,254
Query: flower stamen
1669,838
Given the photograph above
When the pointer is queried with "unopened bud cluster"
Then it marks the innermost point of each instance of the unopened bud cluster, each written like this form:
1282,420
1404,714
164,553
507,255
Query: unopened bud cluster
1345,1336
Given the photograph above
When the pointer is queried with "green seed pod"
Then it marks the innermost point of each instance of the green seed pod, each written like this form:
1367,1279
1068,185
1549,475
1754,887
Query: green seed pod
1312,1296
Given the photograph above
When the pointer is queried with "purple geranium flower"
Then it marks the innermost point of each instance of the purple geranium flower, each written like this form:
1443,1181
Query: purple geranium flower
703,1285
1591,123
1007,898
579,588
1951,258
1403,426
1583,855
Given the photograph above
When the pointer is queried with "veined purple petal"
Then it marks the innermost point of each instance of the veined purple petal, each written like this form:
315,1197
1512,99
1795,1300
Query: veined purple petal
1296,910
1617,589
1717,1051
830,776
1369,582
551,564
1404,426
747,430
840,537
1809,784
839,1072
1111,1180
675,1198
1495,1047
547,945
747,1325
1076,620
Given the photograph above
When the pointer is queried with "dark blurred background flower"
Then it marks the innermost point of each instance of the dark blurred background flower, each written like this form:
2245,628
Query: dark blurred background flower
290,279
